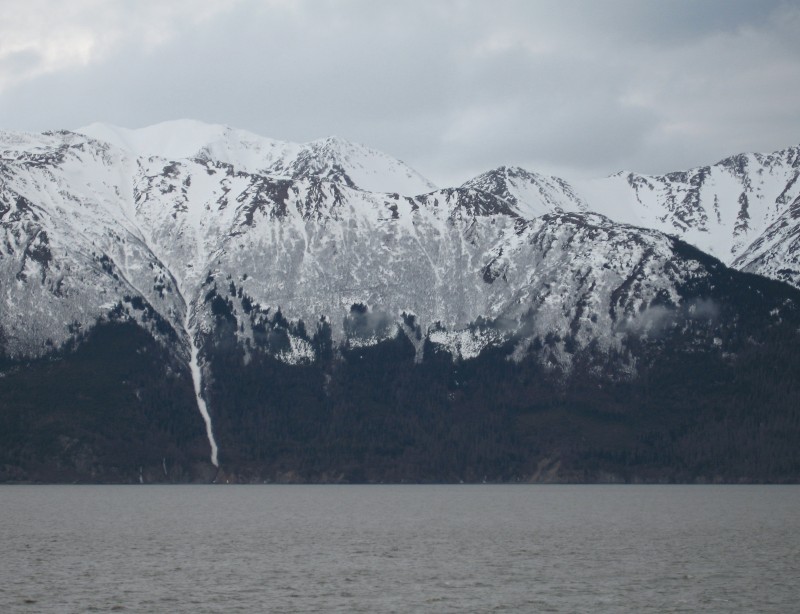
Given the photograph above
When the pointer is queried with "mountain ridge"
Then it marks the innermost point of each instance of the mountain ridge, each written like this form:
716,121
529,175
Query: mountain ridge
739,209
325,157
719,208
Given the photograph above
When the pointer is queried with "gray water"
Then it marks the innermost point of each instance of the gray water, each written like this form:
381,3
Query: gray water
400,548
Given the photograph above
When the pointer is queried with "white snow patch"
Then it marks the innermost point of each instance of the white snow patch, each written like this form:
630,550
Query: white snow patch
301,352
465,343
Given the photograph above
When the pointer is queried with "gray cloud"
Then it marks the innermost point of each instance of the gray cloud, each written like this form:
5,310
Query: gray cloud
453,88
18,63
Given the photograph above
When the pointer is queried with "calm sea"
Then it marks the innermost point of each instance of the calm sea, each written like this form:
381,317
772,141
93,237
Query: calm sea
400,548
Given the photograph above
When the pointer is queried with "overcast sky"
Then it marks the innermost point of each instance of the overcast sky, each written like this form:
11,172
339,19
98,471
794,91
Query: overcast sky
582,88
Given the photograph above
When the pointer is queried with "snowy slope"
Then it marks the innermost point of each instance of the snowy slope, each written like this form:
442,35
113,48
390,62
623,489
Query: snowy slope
739,209
776,252
71,248
721,209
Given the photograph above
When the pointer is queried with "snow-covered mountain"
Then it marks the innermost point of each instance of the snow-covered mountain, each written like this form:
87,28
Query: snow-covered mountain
209,237
531,194
92,228
741,210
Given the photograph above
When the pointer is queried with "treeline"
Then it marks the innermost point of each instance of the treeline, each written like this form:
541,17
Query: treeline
373,415
119,406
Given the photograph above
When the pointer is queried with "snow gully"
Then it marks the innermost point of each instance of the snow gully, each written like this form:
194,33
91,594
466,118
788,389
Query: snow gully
197,379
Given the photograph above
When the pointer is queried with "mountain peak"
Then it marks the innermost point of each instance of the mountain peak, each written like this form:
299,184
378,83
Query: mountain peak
333,141
174,139
333,157
355,165
531,194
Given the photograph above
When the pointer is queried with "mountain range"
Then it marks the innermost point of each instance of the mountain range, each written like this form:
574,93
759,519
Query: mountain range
193,302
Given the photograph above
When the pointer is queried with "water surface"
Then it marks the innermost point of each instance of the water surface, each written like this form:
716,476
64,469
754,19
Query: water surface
400,548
